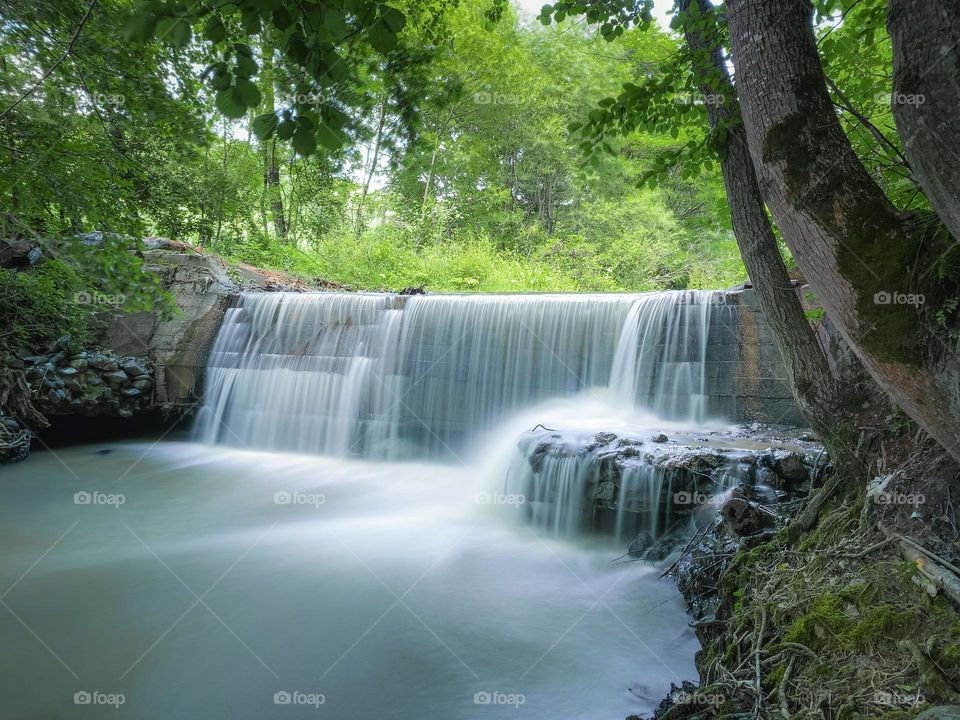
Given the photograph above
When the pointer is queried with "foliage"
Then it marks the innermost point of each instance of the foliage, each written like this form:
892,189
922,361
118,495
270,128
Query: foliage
38,307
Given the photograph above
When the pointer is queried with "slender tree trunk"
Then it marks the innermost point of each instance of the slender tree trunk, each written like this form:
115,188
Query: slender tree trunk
378,139
926,98
271,168
853,246
805,361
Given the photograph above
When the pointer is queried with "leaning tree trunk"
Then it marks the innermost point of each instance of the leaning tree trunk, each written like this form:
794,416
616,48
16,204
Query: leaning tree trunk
853,246
804,358
926,98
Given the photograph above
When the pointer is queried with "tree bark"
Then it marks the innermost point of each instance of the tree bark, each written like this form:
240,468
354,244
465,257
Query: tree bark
853,246
808,370
926,98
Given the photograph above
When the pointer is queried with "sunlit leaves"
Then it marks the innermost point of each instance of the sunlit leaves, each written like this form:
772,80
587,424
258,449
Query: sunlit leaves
328,44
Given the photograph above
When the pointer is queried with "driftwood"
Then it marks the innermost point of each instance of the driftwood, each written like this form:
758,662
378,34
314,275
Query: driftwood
931,566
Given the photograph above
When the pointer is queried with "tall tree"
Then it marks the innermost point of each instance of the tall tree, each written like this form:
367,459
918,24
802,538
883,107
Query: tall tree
855,248
925,98
817,394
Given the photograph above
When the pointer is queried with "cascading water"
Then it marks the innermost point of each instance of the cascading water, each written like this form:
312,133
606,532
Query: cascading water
419,377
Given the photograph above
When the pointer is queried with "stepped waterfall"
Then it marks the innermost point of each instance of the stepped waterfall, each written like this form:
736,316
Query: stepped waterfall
418,377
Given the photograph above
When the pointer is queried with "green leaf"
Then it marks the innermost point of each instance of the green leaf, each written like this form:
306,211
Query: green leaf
229,104
393,19
214,30
331,139
245,67
334,24
304,141
265,125
282,18
250,19
247,92
381,38
175,29
285,129
140,27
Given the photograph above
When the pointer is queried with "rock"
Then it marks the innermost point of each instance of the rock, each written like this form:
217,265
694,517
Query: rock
125,413
9,423
130,392
940,712
659,438
134,368
66,371
103,363
14,363
604,438
56,396
79,364
116,377
605,492
143,385
94,379
790,466
744,517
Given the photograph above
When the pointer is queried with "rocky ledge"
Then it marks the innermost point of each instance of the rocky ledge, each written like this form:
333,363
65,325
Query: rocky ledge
648,489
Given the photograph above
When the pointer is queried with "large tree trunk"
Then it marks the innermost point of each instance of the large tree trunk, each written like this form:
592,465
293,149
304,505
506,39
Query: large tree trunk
926,98
853,246
804,358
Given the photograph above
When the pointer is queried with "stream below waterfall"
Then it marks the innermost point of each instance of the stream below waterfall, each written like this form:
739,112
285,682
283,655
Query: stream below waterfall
346,534
199,582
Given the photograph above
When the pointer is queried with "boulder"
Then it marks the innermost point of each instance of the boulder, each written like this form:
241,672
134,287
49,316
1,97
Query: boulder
743,517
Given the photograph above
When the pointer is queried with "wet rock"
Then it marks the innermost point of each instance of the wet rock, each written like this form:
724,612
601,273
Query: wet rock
134,368
605,492
66,371
940,712
104,363
659,438
116,377
744,517
790,466
604,438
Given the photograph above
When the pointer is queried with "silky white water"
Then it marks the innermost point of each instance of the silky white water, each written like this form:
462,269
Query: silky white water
225,577
420,377
340,539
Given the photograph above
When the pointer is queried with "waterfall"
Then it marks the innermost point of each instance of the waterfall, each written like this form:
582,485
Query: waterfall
390,376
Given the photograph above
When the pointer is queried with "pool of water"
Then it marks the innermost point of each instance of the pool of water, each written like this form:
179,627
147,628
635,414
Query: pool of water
178,580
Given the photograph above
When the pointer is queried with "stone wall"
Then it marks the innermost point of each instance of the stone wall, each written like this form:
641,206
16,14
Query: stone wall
176,346
747,373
